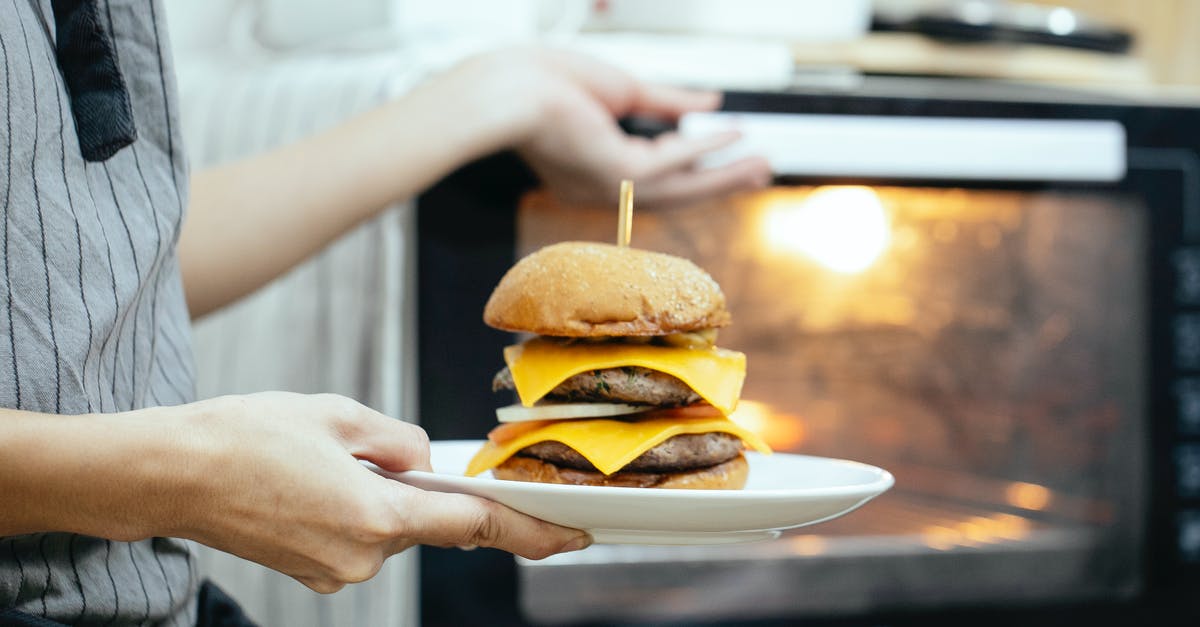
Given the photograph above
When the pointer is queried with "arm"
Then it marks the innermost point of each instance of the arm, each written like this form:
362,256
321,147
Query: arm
270,477
251,220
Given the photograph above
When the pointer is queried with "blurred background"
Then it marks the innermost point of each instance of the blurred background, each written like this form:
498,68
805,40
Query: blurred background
978,267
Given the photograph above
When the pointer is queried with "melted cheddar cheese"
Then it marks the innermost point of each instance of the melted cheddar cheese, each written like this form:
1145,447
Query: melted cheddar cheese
538,366
609,444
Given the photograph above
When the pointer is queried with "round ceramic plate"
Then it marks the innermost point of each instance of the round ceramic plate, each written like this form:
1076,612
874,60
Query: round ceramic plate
783,491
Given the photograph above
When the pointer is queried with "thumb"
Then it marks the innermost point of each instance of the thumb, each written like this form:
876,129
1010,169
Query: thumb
671,102
443,519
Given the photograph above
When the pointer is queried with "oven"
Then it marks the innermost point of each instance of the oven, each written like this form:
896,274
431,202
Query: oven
993,293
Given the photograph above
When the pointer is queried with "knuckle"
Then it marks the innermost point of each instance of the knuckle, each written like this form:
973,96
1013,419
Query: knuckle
367,519
484,529
419,440
377,526
342,405
407,506
343,411
419,435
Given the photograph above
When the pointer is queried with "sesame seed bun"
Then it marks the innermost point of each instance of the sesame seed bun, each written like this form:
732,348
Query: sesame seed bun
589,289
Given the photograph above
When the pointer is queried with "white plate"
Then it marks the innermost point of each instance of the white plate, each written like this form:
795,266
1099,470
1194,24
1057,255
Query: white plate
783,491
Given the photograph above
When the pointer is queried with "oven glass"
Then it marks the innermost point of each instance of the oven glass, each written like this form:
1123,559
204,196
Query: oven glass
985,346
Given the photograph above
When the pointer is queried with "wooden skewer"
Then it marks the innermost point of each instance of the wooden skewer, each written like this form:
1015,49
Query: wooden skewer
625,214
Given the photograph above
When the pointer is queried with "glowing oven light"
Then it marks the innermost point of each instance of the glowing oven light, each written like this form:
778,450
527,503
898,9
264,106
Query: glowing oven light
844,228
1028,495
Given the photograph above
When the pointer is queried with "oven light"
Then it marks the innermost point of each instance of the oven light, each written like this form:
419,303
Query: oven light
1027,495
1061,21
844,228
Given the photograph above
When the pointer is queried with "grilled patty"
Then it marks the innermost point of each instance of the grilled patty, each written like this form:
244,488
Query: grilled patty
682,452
629,384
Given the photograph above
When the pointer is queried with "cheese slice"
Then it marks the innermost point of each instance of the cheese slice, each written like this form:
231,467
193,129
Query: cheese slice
609,444
538,366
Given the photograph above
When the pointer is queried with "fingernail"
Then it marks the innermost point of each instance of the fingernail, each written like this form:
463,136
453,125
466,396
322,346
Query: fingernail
467,547
579,543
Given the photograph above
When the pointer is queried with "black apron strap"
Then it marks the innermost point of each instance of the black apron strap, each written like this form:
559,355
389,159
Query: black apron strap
87,57
218,609
13,618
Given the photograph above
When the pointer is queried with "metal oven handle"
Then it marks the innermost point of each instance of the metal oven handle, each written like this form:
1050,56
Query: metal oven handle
936,148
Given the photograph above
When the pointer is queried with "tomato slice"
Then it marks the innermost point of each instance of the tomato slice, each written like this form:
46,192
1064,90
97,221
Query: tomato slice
698,410
510,430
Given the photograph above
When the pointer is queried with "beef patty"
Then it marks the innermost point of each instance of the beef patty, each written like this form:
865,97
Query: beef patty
682,452
628,384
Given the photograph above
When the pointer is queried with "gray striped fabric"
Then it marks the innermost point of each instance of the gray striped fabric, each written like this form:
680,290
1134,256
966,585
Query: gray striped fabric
92,314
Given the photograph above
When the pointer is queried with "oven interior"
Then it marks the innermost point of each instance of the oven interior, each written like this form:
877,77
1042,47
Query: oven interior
984,345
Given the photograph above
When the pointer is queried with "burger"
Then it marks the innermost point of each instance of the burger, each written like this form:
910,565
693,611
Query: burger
621,383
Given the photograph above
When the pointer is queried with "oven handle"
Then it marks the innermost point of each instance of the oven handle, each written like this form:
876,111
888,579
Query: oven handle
905,147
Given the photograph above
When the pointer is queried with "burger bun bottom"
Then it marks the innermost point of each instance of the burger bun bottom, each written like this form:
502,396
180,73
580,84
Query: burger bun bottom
730,475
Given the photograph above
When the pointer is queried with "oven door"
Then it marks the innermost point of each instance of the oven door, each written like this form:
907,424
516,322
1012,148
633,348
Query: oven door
996,307
968,339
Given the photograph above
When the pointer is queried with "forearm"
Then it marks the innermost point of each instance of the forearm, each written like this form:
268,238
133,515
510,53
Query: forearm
116,476
251,220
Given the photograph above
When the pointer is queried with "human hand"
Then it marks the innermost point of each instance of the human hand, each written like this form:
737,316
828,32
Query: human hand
278,482
573,143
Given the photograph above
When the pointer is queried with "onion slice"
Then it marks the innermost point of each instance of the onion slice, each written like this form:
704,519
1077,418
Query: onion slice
565,411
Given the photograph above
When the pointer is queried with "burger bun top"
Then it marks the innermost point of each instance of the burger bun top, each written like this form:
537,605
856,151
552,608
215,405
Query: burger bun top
591,289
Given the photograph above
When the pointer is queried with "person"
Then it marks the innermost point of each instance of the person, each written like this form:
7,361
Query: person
108,465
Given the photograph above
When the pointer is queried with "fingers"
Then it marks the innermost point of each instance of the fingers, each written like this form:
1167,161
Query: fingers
391,444
689,186
441,519
624,95
661,101
672,151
